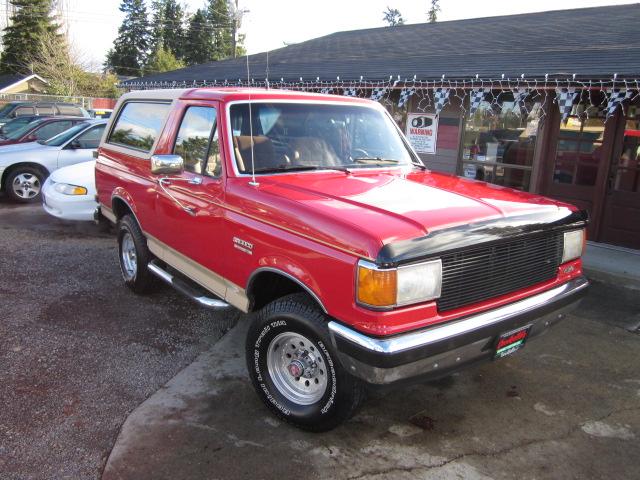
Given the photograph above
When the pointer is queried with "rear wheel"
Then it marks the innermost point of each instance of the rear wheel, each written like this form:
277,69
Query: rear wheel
134,256
24,184
295,369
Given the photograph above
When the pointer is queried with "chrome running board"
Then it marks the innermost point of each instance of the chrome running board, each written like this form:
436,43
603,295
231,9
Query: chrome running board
191,290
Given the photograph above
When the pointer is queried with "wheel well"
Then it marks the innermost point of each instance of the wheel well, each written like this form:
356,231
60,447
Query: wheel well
267,286
120,208
13,167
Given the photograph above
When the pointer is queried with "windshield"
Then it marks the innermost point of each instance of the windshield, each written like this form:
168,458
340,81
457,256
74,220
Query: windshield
65,136
14,125
295,136
6,109
20,129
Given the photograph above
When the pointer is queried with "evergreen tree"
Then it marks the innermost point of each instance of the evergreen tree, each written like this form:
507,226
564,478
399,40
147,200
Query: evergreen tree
163,60
222,20
31,23
393,17
432,14
168,26
198,45
131,47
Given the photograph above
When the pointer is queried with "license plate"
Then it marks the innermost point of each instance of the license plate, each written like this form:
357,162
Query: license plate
511,342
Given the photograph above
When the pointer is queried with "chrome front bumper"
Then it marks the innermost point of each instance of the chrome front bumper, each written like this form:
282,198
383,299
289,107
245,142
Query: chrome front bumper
437,351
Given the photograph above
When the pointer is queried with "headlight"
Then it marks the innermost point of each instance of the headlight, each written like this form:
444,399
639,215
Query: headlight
573,245
398,286
69,189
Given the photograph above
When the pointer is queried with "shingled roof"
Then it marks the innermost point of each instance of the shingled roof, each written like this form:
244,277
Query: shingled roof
592,43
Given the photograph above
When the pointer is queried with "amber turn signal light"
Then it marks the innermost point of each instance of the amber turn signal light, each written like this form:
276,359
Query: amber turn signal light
377,288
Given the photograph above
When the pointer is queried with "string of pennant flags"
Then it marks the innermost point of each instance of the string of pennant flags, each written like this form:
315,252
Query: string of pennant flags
606,96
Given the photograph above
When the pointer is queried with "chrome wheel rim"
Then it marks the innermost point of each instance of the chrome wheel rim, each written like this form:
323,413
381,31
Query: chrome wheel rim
128,257
297,368
26,185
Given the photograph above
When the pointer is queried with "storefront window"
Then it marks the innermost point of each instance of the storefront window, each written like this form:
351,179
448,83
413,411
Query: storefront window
579,148
499,142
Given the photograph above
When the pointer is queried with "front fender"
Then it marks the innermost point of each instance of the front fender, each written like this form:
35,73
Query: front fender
291,270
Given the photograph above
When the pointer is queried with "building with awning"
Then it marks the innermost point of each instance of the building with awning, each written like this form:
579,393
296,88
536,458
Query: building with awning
544,102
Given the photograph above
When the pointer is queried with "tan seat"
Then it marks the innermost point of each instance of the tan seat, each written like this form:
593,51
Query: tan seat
312,151
263,152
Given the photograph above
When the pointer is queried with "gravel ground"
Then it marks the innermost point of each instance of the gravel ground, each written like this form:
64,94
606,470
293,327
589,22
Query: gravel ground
79,351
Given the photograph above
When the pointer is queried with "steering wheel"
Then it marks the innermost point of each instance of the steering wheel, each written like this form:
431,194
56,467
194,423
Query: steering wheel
362,153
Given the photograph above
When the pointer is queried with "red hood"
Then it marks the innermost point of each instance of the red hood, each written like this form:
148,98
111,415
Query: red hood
368,209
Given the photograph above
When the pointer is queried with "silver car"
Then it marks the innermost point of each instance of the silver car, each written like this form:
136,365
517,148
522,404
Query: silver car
24,167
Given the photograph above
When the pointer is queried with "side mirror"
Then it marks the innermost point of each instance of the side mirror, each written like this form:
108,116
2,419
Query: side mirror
166,164
75,144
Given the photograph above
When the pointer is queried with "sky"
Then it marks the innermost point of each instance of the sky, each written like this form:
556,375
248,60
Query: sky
270,24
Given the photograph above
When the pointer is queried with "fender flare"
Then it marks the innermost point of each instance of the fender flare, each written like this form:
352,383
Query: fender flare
121,194
289,276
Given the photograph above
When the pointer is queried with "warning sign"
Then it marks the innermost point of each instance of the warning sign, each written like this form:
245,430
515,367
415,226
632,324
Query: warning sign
422,131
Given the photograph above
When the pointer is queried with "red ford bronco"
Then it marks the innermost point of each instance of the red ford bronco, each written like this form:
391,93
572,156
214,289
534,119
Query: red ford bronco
360,266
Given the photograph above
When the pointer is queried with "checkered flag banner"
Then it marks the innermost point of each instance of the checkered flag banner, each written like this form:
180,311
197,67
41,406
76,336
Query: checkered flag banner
477,96
350,92
440,98
519,97
616,97
378,93
405,94
565,98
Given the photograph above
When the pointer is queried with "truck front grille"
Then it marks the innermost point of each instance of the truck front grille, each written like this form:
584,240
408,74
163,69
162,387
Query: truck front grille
483,272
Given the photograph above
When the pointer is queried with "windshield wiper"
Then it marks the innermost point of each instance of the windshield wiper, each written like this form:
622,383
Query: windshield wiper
301,168
419,165
374,160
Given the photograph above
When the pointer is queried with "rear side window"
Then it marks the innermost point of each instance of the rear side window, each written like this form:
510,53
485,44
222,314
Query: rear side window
46,110
52,129
139,124
192,142
70,110
23,111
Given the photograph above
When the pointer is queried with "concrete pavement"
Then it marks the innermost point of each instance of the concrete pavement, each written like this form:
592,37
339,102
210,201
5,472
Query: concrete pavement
611,264
567,406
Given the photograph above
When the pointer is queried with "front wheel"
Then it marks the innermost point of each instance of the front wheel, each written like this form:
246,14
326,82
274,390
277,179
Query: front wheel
24,184
294,367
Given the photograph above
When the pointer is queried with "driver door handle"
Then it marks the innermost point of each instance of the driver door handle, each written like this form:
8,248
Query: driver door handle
164,181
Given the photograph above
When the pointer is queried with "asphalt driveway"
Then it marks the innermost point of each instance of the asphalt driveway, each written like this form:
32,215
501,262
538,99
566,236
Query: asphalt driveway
96,379
78,351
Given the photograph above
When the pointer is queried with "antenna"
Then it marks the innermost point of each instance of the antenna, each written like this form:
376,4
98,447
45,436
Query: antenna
253,182
267,72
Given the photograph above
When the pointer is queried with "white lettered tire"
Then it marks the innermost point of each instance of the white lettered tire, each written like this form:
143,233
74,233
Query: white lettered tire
295,369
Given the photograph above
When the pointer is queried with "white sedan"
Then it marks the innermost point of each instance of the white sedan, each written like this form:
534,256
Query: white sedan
25,166
69,193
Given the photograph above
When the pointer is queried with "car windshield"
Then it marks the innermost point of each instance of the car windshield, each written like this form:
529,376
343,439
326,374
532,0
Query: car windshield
14,125
65,136
19,130
309,136
6,109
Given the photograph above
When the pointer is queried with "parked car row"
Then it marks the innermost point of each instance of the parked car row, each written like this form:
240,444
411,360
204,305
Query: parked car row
31,150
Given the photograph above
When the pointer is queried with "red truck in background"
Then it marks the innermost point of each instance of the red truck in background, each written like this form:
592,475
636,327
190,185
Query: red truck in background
363,268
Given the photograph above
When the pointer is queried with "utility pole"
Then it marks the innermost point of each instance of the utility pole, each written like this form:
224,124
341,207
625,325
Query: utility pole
237,22
235,28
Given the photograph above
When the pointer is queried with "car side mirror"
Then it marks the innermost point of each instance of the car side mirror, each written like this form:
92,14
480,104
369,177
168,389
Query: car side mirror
166,164
75,144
